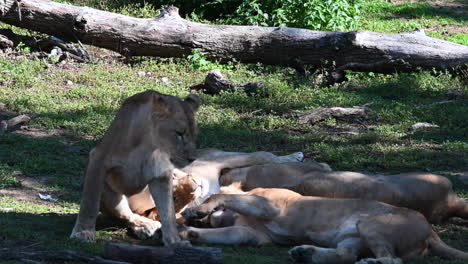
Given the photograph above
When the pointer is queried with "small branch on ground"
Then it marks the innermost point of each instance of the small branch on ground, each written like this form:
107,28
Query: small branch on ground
52,46
162,255
5,124
215,83
323,113
60,255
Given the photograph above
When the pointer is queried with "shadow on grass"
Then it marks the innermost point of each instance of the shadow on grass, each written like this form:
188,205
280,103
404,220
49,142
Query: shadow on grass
457,12
52,231
58,159
427,11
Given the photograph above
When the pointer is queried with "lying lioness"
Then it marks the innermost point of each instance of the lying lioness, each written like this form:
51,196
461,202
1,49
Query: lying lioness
430,194
209,162
340,230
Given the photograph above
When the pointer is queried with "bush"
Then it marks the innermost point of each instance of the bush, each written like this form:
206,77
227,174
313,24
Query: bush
312,14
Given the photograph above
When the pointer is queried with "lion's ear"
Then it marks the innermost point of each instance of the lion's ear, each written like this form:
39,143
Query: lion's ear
161,106
193,101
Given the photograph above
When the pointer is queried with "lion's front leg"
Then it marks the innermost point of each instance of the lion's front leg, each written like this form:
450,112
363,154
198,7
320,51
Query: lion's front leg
159,171
232,235
117,205
85,225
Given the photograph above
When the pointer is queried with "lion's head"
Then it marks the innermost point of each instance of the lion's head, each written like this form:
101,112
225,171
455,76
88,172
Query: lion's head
167,120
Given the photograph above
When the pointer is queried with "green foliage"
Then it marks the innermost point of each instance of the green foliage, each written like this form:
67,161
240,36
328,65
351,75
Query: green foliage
23,48
311,14
338,15
198,61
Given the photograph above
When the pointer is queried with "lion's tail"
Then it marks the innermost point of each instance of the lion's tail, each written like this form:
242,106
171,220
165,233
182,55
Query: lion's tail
440,249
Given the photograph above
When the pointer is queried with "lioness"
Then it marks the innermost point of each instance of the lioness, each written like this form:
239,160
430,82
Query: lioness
190,191
150,134
430,194
340,230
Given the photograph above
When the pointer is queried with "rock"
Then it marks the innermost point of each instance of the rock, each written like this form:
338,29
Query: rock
423,125
165,80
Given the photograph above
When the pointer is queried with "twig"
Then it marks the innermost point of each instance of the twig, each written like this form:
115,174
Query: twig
60,255
30,261
19,9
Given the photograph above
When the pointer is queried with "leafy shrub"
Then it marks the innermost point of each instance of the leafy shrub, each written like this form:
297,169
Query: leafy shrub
311,14
198,61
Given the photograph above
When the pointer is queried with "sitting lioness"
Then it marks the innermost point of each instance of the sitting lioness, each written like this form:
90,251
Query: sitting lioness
430,194
339,230
150,134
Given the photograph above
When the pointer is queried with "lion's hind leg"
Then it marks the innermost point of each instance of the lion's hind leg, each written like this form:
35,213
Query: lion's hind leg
403,231
347,251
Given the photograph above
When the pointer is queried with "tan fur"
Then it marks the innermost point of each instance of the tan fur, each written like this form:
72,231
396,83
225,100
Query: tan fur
430,194
205,172
150,134
334,230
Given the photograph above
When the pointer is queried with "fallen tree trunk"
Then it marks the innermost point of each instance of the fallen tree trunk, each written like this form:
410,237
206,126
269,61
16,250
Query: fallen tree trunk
169,35
162,255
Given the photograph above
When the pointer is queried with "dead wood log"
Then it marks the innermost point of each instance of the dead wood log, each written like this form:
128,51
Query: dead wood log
162,255
5,124
58,255
169,35
215,83
322,113
5,43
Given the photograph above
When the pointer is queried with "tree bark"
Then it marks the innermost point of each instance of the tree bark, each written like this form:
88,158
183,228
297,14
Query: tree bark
168,35
162,255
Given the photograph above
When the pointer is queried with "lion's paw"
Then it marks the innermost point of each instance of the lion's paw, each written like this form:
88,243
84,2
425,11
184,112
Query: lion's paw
294,157
302,253
144,228
188,233
85,235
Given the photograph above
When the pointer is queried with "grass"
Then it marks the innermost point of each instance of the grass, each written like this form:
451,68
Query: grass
73,105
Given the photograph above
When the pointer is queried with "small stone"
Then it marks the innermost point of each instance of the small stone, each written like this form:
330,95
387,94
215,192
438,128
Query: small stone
141,74
423,125
165,80
69,83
